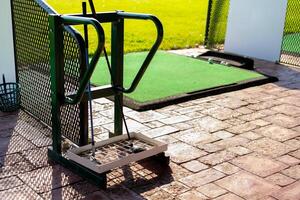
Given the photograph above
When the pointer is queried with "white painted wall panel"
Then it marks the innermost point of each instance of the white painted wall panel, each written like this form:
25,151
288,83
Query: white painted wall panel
255,28
7,61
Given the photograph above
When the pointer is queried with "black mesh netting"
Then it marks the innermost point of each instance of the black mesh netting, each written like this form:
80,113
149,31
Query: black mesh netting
290,51
31,31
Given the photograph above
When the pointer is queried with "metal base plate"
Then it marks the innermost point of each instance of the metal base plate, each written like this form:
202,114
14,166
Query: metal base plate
116,152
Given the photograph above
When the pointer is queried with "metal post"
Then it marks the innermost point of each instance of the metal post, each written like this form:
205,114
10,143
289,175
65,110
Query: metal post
57,78
208,22
117,59
83,106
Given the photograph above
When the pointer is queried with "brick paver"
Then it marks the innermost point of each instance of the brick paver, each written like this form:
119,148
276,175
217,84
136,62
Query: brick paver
238,145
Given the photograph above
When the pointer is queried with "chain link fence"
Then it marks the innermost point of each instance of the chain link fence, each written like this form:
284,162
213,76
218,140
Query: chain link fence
290,51
216,23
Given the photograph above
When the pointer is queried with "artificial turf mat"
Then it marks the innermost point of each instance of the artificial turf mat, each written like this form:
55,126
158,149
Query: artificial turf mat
291,43
170,75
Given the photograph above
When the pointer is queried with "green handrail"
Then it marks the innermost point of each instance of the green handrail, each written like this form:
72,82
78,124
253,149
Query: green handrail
153,50
72,20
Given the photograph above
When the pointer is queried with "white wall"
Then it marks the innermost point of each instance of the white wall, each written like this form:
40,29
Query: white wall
7,60
255,28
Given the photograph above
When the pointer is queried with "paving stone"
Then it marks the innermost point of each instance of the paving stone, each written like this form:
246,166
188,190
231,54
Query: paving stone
121,193
11,159
287,109
297,129
189,109
239,150
247,185
175,188
268,147
192,195
194,166
161,131
75,191
37,157
211,190
280,179
194,115
10,182
14,164
133,126
145,116
283,120
231,142
202,178
194,136
260,122
14,144
101,120
262,105
182,126
181,152
227,168
221,113
296,154
242,128
177,172
175,119
148,189
244,110
232,103
294,100
222,134
210,148
261,166
235,121
48,178
251,135
167,139
154,124
267,112
210,124
252,116
42,142
293,172
294,144
289,160
21,192
161,194
217,158
277,133
290,192
229,196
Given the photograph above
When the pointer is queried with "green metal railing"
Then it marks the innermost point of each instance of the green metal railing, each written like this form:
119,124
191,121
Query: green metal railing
73,20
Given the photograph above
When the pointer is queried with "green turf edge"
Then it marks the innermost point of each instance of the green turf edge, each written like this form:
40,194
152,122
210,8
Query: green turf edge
132,60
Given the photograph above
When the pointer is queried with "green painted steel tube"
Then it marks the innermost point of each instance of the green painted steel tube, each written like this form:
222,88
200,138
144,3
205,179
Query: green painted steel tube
153,50
72,20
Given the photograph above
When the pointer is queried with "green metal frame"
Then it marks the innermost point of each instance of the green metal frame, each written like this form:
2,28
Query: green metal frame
58,96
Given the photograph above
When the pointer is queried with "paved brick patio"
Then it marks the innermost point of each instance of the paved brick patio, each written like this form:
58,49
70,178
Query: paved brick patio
238,145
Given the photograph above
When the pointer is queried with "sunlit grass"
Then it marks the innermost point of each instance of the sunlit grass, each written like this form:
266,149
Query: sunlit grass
183,21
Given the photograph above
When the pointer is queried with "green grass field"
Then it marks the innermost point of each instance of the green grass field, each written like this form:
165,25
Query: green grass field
171,74
183,20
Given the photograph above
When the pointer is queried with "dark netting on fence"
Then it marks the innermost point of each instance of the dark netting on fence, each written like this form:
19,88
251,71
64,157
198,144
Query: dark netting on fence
217,22
32,46
290,51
